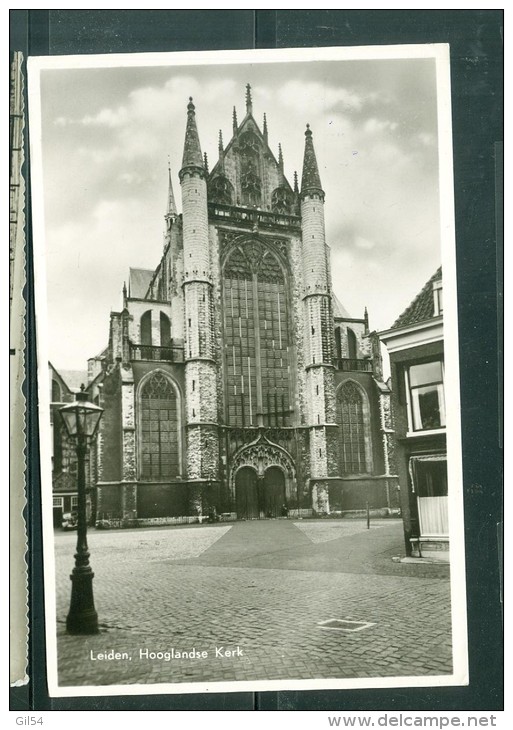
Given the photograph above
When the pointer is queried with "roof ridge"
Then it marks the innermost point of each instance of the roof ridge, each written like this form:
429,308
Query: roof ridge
420,301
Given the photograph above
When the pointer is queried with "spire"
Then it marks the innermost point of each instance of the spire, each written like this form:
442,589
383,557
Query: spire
310,179
265,128
296,187
249,103
171,211
192,156
124,295
221,148
235,125
205,162
366,320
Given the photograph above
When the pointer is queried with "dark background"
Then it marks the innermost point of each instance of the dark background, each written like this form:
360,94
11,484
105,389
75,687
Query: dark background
476,45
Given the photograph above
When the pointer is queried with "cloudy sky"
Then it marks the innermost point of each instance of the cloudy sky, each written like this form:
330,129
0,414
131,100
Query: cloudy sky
107,135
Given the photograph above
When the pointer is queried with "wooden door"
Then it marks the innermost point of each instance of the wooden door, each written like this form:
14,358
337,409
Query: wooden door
274,492
246,495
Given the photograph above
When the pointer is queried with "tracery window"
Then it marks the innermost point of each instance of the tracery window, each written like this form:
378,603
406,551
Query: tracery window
282,200
257,339
250,183
351,418
221,190
159,428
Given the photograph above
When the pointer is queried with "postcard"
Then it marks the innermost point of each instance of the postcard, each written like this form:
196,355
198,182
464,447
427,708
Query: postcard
248,370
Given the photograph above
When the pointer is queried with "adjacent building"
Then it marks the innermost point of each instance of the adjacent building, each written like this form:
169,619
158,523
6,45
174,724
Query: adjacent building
63,386
416,348
234,381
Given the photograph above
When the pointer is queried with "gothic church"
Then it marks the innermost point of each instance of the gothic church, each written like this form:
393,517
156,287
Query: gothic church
234,383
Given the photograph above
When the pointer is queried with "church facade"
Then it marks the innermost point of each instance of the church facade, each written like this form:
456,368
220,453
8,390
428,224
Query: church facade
234,383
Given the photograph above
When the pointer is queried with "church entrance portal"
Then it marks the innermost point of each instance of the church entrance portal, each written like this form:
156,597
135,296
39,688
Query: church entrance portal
259,497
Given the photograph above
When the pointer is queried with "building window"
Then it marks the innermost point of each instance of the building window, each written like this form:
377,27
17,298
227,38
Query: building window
159,424
425,385
74,502
58,502
438,298
257,340
429,483
353,420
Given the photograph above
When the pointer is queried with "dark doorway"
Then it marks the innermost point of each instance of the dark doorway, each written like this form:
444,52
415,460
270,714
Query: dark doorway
274,492
246,495
57,516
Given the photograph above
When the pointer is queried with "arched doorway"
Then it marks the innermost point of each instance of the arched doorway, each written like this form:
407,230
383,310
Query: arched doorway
274,492
246,494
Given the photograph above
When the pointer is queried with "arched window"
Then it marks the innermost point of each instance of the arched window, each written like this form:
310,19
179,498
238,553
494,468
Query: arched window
257,338
353,420
165,330
159,419
146,328
352,347
220,190
282,200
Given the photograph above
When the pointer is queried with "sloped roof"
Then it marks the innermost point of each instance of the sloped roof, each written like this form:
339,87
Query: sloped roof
339,311
74,378
139,282
422,307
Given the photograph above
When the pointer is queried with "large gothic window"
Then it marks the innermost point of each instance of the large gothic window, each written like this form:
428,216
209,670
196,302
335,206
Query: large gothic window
159,428
352,418
257,339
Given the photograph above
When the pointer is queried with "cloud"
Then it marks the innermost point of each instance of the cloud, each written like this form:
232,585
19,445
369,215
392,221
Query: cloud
106,186
364,243
302,97
86,265
375,126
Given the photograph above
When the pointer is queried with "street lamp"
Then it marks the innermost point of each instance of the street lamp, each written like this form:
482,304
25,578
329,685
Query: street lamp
81,420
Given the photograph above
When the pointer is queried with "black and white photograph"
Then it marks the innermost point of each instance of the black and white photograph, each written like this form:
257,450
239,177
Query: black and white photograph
248,370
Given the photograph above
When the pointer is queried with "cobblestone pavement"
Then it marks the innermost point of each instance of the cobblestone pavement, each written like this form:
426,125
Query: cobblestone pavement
260,591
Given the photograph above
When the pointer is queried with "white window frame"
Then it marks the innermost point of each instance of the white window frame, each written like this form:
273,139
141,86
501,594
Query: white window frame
74,501
58,502
409,406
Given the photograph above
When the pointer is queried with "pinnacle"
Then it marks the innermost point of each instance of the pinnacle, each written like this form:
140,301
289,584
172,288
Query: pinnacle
192,156
310,178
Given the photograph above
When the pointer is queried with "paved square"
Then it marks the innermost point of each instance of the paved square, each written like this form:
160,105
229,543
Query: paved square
246,602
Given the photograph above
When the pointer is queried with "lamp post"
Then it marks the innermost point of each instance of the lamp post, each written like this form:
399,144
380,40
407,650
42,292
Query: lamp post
81,420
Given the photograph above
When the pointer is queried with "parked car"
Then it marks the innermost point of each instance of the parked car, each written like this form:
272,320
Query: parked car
69,521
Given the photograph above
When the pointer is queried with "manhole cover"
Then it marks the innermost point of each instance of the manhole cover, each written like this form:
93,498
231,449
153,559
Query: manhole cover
338,624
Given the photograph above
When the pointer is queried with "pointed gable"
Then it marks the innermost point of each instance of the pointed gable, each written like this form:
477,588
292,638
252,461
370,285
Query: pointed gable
247,173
